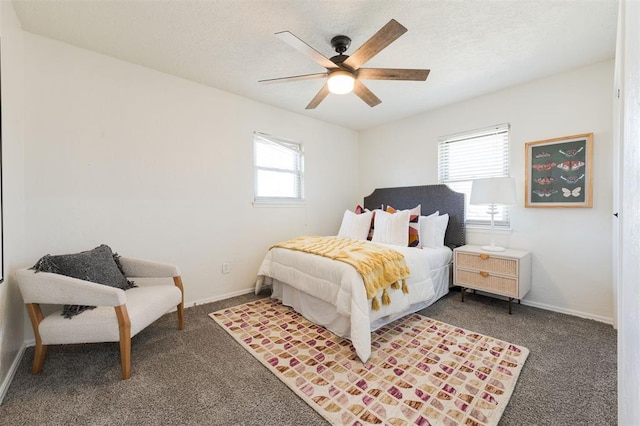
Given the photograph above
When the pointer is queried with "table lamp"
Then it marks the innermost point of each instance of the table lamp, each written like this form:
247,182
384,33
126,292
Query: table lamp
493,192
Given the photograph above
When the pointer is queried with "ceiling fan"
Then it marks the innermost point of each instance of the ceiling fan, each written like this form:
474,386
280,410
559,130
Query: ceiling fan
344,74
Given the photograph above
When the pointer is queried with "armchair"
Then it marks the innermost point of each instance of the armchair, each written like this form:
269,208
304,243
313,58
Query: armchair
119,315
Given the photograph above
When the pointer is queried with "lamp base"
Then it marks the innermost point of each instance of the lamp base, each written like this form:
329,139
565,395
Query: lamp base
492,248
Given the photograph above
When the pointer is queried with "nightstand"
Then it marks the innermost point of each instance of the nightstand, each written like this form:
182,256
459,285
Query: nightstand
506,273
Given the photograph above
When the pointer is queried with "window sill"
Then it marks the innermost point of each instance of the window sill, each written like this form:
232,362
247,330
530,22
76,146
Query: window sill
279,204
482,229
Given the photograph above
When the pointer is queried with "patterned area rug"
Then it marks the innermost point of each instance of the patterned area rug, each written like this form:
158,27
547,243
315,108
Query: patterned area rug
421,371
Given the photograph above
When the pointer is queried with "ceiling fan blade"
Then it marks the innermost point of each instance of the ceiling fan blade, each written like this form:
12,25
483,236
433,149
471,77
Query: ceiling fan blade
303,47
293,78
384,37
319,97
365,94
392,74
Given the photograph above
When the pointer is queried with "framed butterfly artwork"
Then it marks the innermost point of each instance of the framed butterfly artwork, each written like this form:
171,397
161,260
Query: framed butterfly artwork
559,172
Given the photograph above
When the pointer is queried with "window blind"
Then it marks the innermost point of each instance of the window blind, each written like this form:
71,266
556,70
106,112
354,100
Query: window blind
477,154
278,169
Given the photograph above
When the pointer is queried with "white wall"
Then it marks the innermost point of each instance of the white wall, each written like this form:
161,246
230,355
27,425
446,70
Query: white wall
160,168
11,306
572,266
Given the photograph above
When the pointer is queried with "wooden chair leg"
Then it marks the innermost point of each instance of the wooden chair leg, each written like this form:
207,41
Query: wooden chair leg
178,283
35,314
38,358
124,326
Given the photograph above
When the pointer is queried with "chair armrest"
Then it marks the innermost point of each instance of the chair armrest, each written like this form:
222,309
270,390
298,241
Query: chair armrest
45,287
145,269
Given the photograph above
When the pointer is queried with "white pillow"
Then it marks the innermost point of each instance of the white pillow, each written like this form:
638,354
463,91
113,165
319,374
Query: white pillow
391,228
433,229
355,226
426,228
441,229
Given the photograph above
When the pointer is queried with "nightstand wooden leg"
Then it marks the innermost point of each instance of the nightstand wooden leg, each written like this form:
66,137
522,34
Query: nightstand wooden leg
510,299
462,293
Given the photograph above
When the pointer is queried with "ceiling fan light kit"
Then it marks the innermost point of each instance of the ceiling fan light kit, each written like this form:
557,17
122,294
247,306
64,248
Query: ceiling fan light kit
340,82
344,74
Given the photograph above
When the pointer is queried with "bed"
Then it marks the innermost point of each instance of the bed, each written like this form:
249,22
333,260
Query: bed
330,293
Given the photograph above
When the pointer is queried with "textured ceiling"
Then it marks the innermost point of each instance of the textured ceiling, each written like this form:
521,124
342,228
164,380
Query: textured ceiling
472,47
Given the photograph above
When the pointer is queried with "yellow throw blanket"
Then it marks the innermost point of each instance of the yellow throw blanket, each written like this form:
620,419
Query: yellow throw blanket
379,266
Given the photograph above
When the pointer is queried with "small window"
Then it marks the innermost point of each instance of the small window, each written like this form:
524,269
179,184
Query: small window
278,169
477,154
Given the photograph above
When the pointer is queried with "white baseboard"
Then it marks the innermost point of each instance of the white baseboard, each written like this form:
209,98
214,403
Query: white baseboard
580,314
539,305
4,386
553,308
219,297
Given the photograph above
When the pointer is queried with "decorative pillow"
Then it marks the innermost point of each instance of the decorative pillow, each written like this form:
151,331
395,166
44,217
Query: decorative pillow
355,226
433,229
441,229
391,228
359,210
414,226
99,265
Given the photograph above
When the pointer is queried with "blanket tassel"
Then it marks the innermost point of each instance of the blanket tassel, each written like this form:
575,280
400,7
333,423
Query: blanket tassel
405,289
385,297
396,285
374,304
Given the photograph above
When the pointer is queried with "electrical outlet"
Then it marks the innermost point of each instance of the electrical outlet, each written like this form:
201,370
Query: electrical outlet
226,267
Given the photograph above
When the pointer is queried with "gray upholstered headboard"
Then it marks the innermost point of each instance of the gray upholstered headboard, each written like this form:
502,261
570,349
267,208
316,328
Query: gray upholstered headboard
431,198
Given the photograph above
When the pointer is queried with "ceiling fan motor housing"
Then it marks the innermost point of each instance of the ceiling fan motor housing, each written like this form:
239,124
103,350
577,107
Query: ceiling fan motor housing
339,59
340,43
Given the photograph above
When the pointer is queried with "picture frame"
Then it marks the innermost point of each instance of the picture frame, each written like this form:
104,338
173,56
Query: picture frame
559,172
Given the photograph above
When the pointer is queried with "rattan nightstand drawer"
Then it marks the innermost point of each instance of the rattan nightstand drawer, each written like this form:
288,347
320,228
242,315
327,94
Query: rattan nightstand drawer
487,263
481,280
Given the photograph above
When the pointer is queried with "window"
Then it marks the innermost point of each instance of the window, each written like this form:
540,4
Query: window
473,155
278,169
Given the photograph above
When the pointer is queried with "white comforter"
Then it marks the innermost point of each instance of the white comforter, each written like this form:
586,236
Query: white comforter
338,284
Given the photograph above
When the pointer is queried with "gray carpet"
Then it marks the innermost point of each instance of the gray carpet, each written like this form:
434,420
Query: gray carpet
201,376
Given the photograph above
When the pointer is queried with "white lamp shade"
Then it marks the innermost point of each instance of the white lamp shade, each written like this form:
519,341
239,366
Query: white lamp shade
340,82
498,190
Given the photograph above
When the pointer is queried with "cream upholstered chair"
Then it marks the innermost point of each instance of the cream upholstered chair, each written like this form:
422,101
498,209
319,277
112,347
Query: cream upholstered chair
119,315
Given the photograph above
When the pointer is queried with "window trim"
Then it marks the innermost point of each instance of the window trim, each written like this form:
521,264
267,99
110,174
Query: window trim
298,148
